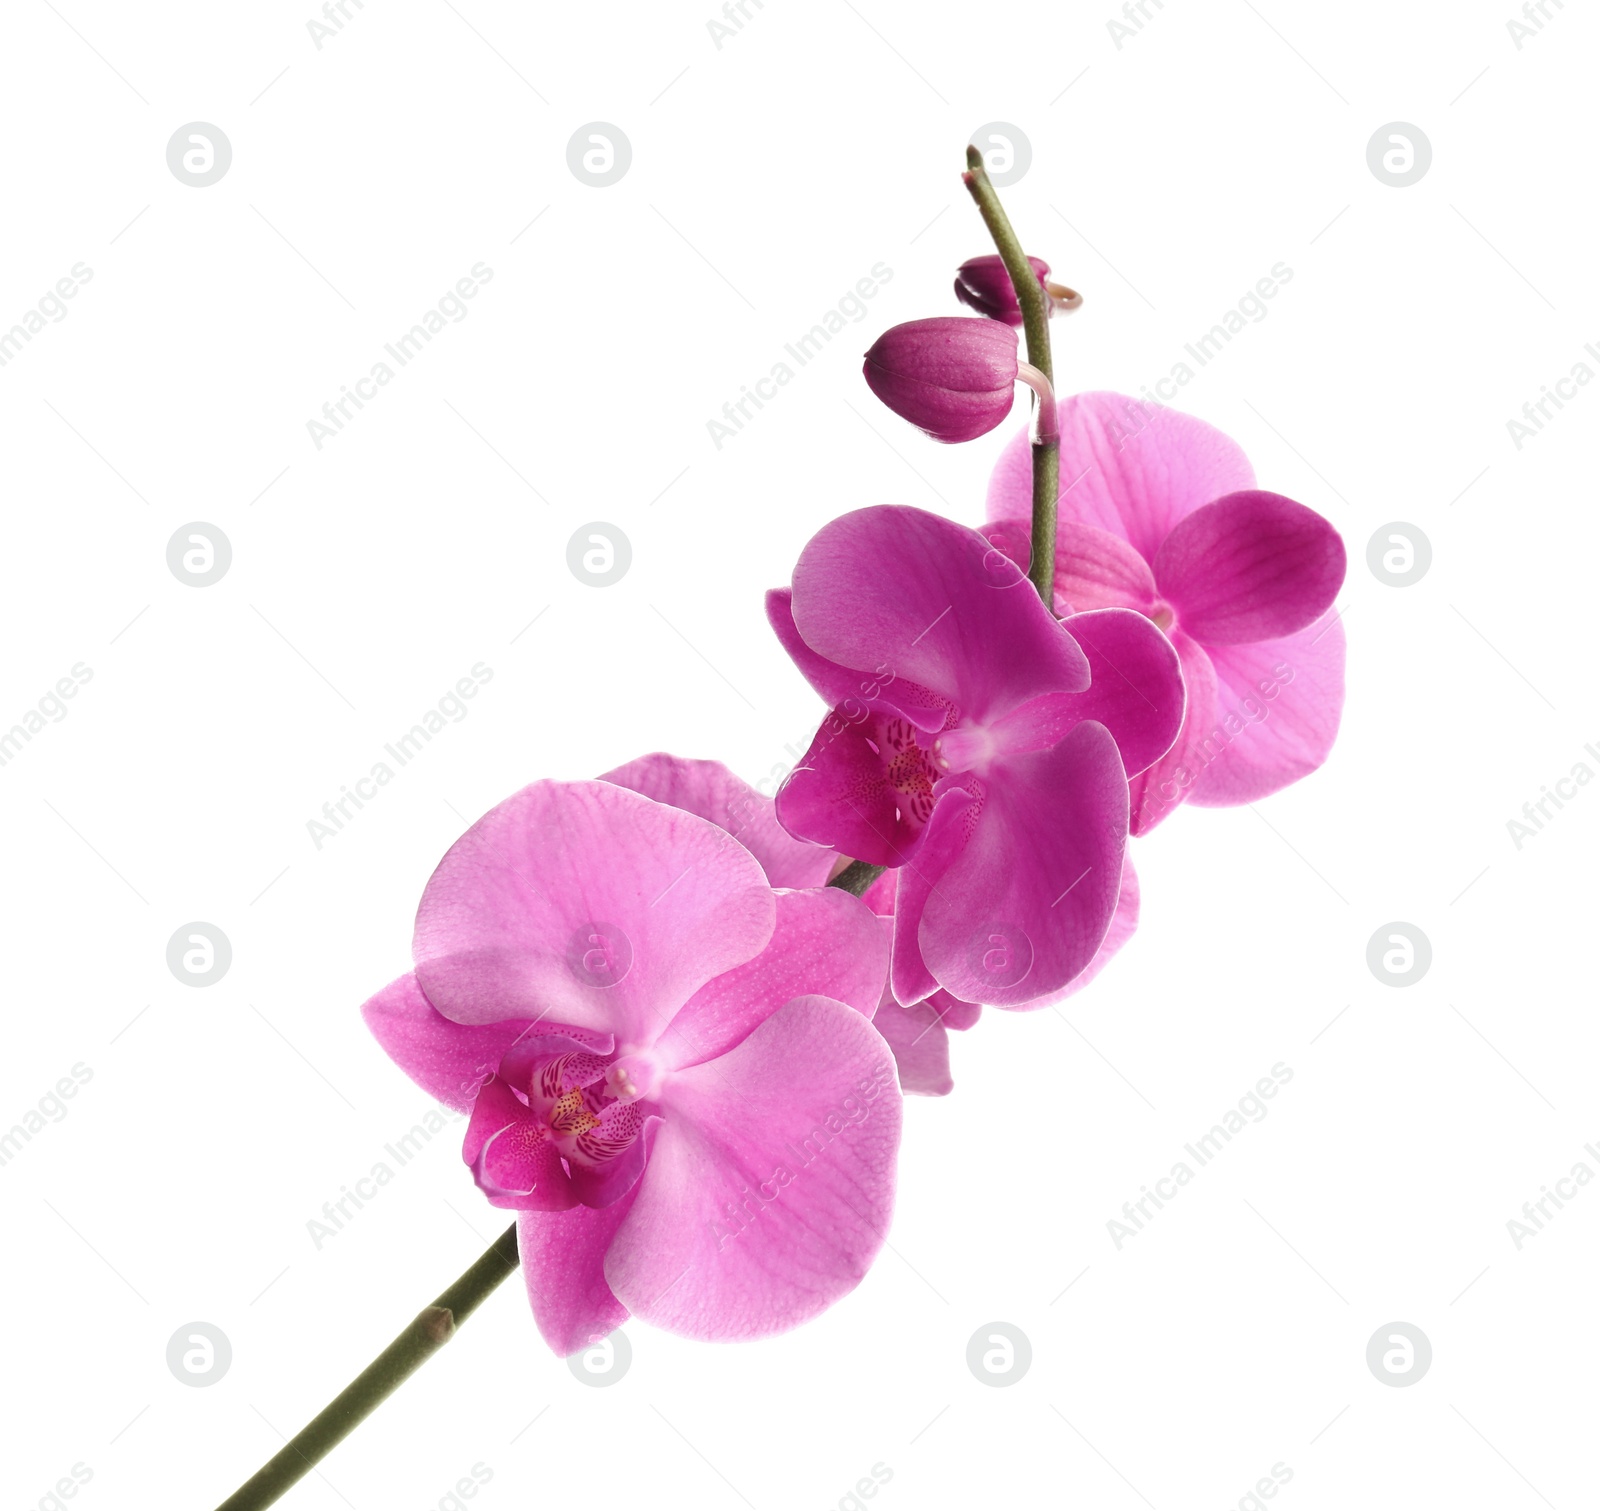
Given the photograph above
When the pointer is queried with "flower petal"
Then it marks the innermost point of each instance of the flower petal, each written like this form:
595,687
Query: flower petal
830,681
712,792
449,1061
951,1013
853,694
513,1162
915,596
1251,566
545,1041
1094,568
1124,921
840,794
881,897
584,903
920,1045
1287,694
1128,466
954,1013
603,1184
920,1040
1025,906
1137,686
954,815
770,1182
563,1266
1098,570
1154,793
826,943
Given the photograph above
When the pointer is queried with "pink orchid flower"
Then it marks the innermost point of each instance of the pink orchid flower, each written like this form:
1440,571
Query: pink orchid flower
670,1068
975,743
918,1035
915,1035
1159,513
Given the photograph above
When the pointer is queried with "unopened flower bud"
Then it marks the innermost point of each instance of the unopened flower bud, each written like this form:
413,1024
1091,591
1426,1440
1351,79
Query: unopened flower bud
951,376
984,284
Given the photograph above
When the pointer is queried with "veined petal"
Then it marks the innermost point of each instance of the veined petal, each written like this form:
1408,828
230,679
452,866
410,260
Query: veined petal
921,1048
1098,570
1094,568
1124,921
955,1014
919,1037
1137,686
863,789
545,1042
513,1162
584,903
1154,793
935,603
1026,904
955,815
449,1061
833,683
563,1266
770,1181
604,1184
929,1062
1278,708
827,943
712,792
1127,466
1251,566
853,694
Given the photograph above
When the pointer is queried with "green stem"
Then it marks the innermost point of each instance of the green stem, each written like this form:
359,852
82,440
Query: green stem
857,877
1035,306
432,1328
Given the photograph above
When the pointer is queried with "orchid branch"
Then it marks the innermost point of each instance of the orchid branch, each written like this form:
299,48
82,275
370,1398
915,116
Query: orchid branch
429,1331
857,877
1035,306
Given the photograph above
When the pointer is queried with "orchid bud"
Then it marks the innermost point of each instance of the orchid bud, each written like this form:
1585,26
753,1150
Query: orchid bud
951,376
985,285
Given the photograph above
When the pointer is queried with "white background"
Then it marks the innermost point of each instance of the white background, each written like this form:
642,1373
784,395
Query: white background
768,175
